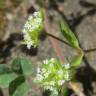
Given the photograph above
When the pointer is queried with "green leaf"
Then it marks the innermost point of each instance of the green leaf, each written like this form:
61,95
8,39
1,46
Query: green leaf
78,59
26,67
16,66
6,79
19,87
4,69
22,66
6,75
68,34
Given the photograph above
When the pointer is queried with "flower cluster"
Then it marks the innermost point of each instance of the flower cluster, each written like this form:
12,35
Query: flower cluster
53,74
32,28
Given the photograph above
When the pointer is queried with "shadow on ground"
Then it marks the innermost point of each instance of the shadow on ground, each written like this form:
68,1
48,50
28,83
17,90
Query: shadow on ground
1,93
87,75
10,43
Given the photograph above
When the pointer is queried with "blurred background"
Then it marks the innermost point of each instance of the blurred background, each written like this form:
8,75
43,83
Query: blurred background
81,17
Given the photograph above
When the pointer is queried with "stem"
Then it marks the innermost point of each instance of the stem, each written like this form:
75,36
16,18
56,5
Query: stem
58,39
90,50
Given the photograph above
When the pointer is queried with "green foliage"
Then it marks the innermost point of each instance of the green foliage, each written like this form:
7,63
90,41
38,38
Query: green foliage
68,34
22,66
5,79
19,87
14,76
77,60
4,69
6,76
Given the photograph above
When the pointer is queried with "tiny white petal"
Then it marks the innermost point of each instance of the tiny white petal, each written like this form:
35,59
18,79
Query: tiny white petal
38,70
51,65
52,59
45,61
60,72
51,88
55,92
35,14
30,17
62,82
39,77
28,46
67,76
43,70
24,31
67,66
46,75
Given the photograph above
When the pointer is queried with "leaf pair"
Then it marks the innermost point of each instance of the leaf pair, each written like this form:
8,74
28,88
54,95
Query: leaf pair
70,37
14,77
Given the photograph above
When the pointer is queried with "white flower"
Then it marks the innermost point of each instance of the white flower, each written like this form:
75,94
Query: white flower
32,28
52,59
29,46
53,75
51,88
62,82
39,77
43,70
48,87
36,14
24,31
38,20
38,70
55,92
45,61
30,17
60,72
66,66
67,75
28,40
46,75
